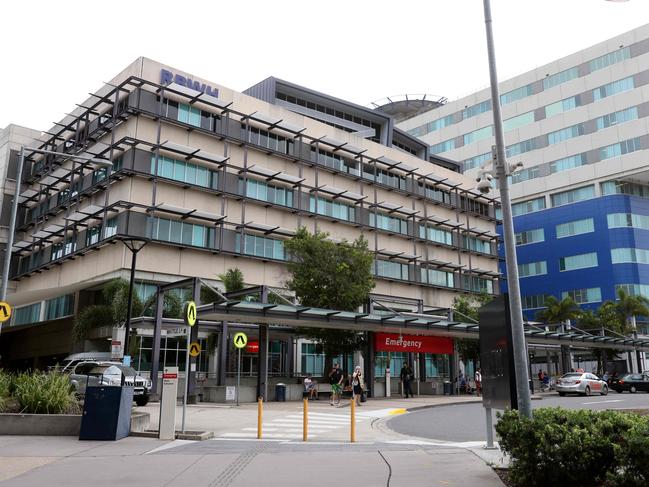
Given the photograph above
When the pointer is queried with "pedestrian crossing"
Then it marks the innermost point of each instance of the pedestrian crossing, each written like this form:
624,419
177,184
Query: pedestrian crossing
289,427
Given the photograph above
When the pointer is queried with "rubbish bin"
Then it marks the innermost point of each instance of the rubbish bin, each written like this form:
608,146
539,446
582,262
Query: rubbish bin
280,392
106,413
448,388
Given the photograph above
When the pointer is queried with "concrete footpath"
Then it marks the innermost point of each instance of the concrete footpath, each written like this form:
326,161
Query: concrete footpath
236,458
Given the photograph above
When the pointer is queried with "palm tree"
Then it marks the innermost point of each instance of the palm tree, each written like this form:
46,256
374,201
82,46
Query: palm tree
111,311
628,307
560,312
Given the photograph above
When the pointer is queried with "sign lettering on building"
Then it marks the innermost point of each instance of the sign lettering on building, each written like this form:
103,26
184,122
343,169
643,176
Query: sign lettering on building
392,342
167,77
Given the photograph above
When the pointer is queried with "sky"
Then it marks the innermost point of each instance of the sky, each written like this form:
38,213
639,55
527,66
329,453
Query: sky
55,52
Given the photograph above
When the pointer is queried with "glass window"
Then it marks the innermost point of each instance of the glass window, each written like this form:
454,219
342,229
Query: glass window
476,244
517,94
478,284
572,196
634,289
581,261
476,161
258,246
435,235
530,236
525,174
559,78
261,190
609,59
391,269
189,114
618,220
565,134
477,135
561,106
334,209
182,171
111,227
390,223
518,121
617,118
613,88
59,307
92,235
576,227
581,296
532,269
437,365
476,109
445,146
521,147
535,301
435,194
437,277
567,163
530,206
622,187
27,314
180,232
626,255
312,362
621,148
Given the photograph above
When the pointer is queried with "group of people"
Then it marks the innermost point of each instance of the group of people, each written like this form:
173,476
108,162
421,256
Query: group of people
465,385
339,381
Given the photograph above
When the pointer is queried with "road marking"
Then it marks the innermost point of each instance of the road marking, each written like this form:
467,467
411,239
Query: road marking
602,402
171,444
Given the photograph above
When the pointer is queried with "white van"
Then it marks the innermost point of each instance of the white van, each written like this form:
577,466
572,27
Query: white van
72,360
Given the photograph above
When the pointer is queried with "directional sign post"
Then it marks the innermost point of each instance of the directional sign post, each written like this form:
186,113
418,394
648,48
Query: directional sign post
189,316
5,311
240,340
194,349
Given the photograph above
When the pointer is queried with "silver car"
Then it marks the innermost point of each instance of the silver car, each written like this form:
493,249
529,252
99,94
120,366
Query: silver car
581,383
110,374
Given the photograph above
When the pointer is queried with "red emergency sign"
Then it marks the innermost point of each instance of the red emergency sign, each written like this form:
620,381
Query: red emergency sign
252,347
392,342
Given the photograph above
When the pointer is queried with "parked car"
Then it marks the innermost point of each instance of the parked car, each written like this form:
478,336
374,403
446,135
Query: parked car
110,374
631,383
581,383
71,361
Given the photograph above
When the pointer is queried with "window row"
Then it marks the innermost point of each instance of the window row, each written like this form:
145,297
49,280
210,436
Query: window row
622,220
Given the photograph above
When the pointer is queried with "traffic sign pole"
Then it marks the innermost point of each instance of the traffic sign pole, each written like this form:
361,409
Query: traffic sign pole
238,374
186,391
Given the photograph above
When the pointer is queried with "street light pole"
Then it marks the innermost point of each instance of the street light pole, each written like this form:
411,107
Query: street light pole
134,245
518,336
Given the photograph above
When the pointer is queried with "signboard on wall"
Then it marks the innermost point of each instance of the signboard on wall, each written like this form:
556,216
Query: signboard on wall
252,347
393,342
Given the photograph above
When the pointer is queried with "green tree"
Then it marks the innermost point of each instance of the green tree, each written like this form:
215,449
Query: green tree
466,309
232,281
558,311
112,305
628,307
334,276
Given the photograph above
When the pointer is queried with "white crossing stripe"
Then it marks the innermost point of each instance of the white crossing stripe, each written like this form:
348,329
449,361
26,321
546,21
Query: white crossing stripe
289,430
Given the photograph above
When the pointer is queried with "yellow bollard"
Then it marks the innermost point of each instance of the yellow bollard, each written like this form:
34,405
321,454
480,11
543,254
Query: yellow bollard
260,410
352,431
305,420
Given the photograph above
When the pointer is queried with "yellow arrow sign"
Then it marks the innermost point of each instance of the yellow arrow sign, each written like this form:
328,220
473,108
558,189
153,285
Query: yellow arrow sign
194,349
190,313
5,311
240,340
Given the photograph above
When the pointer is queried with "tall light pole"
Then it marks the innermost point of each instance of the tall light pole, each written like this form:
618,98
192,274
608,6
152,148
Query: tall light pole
101,162
513,285
134,245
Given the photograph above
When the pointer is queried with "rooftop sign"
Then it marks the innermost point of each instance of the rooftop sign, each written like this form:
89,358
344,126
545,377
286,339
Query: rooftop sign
167,77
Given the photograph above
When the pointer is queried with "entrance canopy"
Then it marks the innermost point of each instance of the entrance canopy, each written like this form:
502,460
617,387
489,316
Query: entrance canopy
234,311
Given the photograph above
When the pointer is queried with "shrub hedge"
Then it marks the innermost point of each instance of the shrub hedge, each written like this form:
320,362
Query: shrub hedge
576,448
38,393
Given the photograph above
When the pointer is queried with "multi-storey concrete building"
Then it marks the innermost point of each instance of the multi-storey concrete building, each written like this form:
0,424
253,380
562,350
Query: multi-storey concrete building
580,126
217,179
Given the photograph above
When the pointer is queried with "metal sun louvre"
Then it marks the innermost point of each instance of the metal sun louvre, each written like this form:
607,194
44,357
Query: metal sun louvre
338,192
213,101
188,212
442,264
191,93
271,174
267,229
393,254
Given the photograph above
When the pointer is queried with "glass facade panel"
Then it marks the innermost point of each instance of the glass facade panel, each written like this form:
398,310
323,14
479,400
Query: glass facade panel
535,301
582,296
179,232
613,88
397,359
567,163
559,78
576,227
390,223
263,191
182,171
617,118
621,148
27,314
572,196
525,174
530,206
437,277
476,161
334,209
619,220
581,261
435,235
445,146
477,135
609,59
478,284
392,269
59,307
476,109
561,106
530,236
268,248
565,134
630,256
517,94
532,269
436,365
476,244
518,121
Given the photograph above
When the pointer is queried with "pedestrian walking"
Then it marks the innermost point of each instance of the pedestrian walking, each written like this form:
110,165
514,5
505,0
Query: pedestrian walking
357,385
406,379
336,380
478,382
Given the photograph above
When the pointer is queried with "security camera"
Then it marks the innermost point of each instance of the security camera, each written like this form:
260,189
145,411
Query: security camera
484,185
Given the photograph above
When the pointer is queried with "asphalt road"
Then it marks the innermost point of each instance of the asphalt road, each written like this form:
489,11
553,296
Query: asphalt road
466,422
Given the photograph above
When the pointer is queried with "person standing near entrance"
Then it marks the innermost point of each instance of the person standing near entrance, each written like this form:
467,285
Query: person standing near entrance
336,380
478,382
406,379
357,385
